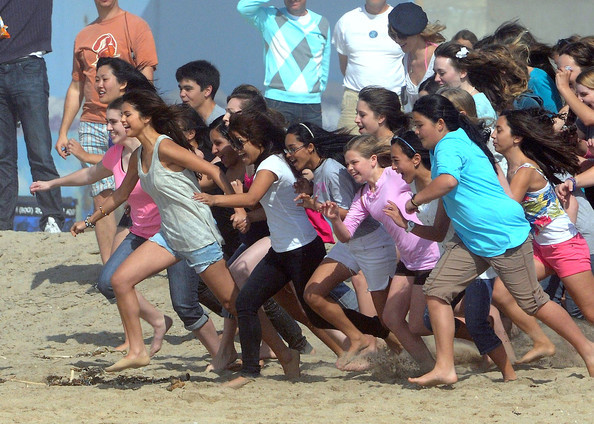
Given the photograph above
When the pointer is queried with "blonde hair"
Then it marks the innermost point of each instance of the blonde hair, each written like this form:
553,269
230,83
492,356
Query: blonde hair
586,78
368,145
461,99
432,32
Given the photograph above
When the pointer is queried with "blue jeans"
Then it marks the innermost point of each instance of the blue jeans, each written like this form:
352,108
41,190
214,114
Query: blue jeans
183,283
24,92
297,112
477,304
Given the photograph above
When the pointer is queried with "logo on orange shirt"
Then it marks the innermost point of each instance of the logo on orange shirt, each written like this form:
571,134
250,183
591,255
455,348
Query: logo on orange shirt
105,46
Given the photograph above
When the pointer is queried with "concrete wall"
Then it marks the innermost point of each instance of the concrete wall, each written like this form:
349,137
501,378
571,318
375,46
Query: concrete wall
548,20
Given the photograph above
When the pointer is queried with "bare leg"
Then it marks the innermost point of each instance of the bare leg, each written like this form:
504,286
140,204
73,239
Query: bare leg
394,315
287,298
442,322
580,288
542,345
160,323
145,261
226,354
559,320
502,334
364,299
207,334
500,359
105,228
323,280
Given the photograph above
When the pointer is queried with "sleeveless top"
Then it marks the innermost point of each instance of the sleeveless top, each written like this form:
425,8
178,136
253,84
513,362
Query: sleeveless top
549,222
186,224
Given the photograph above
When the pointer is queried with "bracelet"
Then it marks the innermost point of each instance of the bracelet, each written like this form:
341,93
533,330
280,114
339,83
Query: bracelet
88,222
412,200
102,211
574,182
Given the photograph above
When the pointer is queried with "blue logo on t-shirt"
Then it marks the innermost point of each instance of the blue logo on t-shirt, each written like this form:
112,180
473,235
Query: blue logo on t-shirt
372,34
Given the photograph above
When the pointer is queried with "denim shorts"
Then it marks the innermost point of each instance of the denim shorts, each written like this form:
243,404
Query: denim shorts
94,139
199,259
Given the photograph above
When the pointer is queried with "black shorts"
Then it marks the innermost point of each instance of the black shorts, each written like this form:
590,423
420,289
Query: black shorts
420,276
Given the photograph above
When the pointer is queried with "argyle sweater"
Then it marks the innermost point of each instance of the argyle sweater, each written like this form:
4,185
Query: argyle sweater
296,56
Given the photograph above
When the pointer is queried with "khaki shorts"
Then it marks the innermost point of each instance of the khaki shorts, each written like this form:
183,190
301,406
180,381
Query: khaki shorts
458,267
348,111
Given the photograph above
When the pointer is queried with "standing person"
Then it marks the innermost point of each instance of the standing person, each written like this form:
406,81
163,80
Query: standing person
490,231
296,54
379,113
24,92
418,38
198,83
115,33
366,54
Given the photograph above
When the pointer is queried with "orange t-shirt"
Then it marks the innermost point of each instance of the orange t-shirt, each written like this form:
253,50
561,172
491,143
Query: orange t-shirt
114,37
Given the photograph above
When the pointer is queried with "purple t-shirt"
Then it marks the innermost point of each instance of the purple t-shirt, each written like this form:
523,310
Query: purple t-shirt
146,220
416,253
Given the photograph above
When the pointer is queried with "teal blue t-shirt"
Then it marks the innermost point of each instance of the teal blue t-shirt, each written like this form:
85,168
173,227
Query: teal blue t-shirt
485,218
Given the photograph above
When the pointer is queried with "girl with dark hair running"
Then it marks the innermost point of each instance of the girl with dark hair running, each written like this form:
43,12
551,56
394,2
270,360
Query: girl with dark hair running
491,230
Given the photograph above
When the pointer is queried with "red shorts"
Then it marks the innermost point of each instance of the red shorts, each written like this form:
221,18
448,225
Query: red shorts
567,258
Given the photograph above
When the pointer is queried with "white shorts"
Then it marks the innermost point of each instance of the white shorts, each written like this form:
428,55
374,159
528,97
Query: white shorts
373,253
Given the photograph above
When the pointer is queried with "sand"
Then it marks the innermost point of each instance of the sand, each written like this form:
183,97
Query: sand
56,327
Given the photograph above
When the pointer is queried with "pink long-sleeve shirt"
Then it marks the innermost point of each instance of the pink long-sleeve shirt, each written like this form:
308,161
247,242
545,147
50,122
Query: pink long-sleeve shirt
416,253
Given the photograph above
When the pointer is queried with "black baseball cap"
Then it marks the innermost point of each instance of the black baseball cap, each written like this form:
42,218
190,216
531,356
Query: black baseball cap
408,19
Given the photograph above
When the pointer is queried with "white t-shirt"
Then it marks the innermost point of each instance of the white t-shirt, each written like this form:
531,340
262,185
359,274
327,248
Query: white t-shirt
373,57
289,226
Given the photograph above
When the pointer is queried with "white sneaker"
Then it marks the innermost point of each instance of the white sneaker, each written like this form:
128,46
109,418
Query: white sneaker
51,226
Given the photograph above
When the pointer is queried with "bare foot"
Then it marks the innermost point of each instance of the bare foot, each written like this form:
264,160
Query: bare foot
291,368
358,350
159,333
123,347
359,363
126,363
223,361
435,378
539,351
239,382
266,352
588,358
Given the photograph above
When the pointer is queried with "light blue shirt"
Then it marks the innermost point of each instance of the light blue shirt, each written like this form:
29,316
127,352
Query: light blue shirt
485,218
484,109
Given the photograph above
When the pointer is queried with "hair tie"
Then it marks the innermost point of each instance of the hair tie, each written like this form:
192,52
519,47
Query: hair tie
462,53
307,128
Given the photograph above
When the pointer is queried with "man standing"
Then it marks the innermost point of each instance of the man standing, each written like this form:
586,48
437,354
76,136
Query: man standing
297,57
115,33
198,83
367,55
24,92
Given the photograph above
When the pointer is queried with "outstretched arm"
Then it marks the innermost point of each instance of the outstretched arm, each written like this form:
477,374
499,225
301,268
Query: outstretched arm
114,200
81,177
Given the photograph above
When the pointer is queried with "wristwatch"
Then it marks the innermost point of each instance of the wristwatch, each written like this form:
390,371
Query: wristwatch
410,225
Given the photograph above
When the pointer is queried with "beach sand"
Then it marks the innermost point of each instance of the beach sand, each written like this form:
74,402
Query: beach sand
56,327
